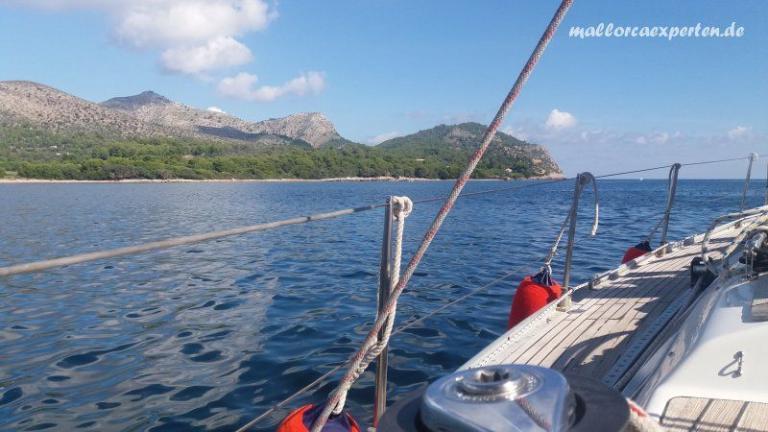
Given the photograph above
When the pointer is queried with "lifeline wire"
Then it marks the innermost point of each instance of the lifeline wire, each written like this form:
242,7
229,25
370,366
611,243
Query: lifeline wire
196,238
177,241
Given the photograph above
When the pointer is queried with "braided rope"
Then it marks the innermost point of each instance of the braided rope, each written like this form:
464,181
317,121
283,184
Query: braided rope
402,207
429,236
640,421
534,414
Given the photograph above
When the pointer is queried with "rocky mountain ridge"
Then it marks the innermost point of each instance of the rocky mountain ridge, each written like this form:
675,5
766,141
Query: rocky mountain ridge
148,106
25,102
148,114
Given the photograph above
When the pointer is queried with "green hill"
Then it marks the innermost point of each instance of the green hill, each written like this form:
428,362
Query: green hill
440,152
445,150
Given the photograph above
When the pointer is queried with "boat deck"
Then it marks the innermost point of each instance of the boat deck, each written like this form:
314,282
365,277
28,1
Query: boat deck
702,414
612,318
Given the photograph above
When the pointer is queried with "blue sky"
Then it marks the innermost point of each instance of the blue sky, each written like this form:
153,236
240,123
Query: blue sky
386,68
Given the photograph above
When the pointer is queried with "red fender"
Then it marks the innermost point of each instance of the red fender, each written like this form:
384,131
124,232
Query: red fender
637,251
301,419
530,297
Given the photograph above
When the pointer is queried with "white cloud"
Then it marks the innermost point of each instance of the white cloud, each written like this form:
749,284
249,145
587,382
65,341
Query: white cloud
560,120
194,35
217,53
659,137
171,22
739,132
242,86
603,150
380,138
215,109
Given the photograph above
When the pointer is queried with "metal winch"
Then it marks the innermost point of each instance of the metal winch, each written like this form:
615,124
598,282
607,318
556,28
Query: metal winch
508,398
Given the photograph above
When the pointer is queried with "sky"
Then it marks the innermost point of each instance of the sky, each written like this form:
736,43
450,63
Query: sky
385,68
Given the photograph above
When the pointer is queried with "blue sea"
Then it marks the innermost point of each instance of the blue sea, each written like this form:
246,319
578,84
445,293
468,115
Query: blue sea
206,337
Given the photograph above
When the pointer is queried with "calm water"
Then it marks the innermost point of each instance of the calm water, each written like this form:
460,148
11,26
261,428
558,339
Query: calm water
208,336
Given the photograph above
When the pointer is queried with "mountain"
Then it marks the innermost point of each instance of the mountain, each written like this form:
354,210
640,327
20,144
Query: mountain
24,102
134,103
453,144
150,115
47,133
148,106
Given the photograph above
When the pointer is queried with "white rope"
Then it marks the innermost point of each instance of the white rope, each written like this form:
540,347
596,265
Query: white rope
401,208
671,190
640,421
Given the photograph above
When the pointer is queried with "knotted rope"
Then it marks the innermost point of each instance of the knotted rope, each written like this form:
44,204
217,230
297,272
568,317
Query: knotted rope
401,209
358,359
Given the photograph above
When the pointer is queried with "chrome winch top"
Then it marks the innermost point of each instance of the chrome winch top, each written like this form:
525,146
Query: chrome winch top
495,398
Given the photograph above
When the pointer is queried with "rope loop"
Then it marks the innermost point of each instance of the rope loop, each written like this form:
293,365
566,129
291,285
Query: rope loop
674,171
585,179
402,207
582,180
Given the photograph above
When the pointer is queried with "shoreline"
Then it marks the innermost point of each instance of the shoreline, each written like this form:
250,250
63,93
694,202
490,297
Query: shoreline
233,180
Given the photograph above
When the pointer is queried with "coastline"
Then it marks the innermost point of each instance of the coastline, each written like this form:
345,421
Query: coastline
233,180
